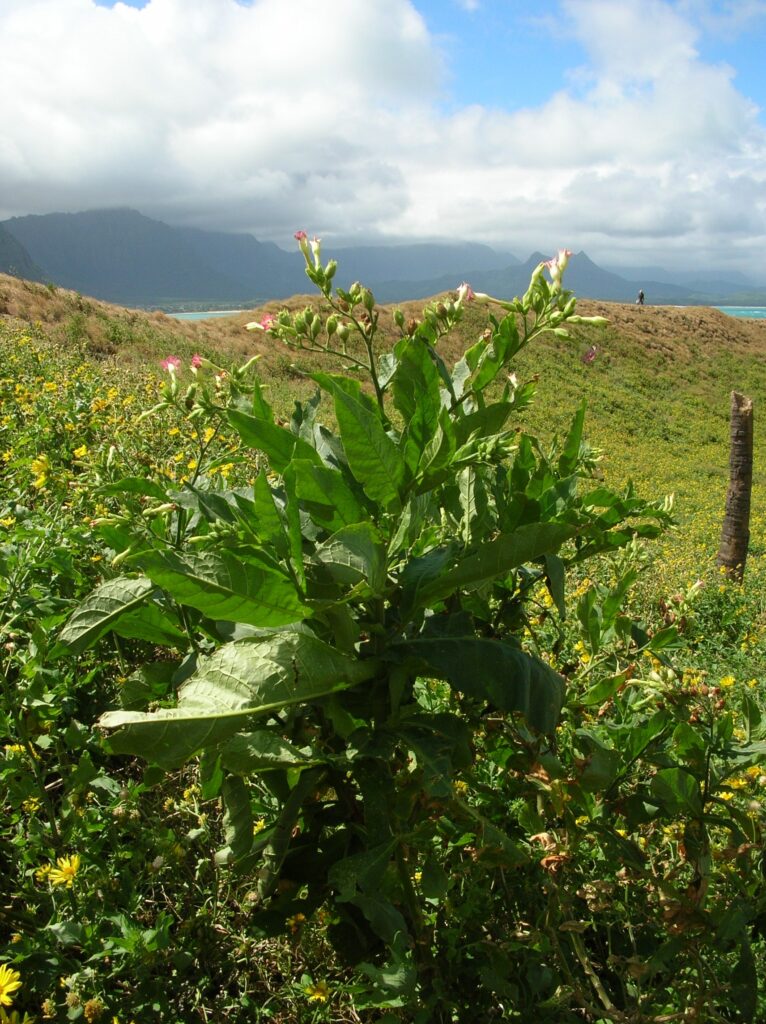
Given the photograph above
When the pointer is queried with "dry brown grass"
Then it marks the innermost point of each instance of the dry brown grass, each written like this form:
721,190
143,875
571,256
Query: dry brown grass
673,334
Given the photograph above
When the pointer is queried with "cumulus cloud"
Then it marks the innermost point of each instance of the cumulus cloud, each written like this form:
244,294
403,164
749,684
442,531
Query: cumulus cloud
268,115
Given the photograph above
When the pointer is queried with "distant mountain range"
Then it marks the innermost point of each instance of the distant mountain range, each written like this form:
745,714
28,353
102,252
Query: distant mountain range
124,257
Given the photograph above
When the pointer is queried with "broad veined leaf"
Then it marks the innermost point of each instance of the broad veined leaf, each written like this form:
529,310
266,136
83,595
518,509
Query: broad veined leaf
261,751
437,454
223,587
410,524
494,671
150,623
356,553
211,504
494,558
677,791
372,456
237,820
280,445
99,612
245,679
294,521
571,453
419,574
327,496
269,524
487,421
361,871
417,397
152,681
504,344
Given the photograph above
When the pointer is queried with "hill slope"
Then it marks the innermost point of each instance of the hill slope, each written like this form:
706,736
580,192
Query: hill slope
15,260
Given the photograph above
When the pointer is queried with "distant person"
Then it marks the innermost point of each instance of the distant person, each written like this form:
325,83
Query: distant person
640,299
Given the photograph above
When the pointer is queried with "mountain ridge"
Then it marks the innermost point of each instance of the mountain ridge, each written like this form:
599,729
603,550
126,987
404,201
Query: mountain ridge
120,255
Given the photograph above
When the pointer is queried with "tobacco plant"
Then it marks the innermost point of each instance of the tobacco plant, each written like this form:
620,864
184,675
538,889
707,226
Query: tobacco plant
339,640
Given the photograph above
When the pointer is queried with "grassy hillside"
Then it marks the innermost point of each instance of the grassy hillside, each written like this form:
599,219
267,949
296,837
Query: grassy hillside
634,862
657,392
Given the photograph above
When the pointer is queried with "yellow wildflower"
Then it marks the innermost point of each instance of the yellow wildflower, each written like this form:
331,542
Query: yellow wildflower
259,826
727,681
318,993
65,873
295,922
10,980
8,522
736,782
81,452
42,872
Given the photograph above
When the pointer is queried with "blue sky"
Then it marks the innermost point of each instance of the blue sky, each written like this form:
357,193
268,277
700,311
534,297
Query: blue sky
633,129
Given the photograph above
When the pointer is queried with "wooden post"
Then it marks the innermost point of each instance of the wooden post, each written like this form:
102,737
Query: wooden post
735,534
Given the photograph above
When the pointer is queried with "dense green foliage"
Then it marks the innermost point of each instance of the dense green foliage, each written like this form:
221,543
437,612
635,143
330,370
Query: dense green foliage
390,668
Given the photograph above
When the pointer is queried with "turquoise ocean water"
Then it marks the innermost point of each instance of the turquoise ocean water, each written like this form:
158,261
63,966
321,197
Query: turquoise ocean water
208,314
754,312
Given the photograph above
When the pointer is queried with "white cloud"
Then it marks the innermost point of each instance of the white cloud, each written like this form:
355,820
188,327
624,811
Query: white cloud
272,115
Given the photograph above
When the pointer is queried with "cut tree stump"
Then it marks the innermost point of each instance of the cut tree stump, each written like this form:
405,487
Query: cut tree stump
735,534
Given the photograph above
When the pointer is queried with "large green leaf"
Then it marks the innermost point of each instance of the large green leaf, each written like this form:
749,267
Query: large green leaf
677,791
245,679
571,453
261,750
326,495
356,553
99,612
372,456
148,622
269,524
417,398
237,820
223,587
494,671
280,445
491,560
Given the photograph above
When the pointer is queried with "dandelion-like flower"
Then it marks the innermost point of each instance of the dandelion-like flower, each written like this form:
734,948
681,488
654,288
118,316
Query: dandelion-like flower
66,871
318,993
10,980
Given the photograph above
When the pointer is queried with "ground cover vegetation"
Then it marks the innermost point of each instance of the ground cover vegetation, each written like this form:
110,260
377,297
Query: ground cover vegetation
409,705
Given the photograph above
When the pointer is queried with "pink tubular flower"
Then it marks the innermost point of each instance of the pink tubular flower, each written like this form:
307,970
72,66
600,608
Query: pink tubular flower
557,265
590,355
303,241
196,361
465,292
264,324
171,364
